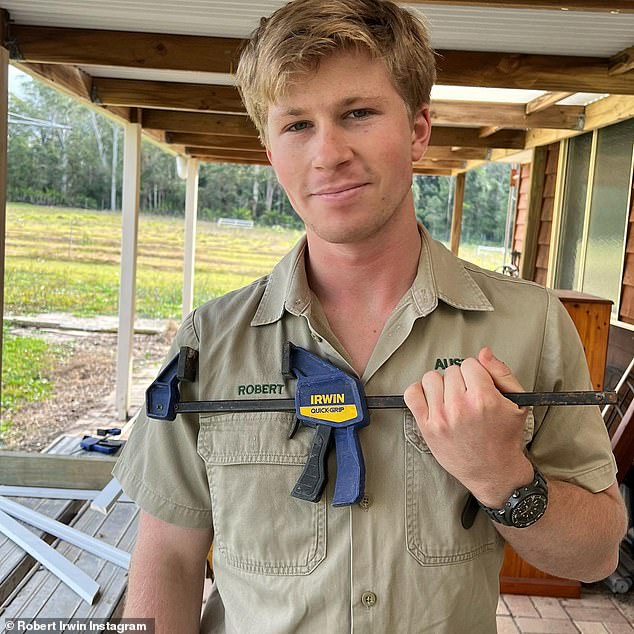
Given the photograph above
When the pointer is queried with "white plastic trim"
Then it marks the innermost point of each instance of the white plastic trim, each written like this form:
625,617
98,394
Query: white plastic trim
66,533
107,497
76,579
53,494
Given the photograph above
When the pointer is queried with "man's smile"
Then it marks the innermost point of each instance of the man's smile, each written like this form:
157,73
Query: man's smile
339,192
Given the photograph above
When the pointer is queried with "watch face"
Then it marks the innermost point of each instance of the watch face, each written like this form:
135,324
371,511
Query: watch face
529,510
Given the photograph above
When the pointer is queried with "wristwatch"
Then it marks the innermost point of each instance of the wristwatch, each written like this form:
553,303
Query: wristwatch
525,505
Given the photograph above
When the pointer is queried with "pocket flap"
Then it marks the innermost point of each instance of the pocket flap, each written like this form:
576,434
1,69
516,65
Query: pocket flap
254,437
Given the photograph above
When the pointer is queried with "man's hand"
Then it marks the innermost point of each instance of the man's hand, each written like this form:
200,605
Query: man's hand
474,432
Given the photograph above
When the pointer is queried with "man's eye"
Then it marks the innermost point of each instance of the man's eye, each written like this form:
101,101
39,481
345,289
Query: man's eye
297,127
360,113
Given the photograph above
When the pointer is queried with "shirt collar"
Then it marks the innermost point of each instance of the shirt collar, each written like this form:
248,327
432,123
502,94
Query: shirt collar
440,275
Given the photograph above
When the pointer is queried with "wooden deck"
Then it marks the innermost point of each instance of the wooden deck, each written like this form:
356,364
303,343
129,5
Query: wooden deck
30,591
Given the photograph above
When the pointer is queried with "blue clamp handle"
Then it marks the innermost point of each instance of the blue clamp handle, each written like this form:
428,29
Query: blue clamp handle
328,398
350,482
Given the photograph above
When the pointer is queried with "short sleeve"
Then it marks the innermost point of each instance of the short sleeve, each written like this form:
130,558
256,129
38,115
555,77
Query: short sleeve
159,467
570,443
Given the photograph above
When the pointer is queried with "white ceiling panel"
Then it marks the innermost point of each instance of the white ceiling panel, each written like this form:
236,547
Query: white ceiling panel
453,27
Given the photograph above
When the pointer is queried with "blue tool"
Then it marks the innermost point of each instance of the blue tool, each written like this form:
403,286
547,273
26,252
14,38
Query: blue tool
102,443
332,401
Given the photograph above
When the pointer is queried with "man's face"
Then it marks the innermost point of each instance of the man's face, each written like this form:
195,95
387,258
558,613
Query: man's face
342,143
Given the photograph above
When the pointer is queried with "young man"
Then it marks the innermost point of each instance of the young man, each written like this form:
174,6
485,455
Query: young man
339,91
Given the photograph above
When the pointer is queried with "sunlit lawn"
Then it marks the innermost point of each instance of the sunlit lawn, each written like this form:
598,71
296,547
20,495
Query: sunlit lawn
66,260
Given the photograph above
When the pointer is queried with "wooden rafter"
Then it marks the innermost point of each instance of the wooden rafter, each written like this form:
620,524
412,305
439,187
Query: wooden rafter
426,171
488,131
622,62
251,143
226,152
198,122
470,137
534,72
213,54
546,100
505,115
169,95
60,45
616,6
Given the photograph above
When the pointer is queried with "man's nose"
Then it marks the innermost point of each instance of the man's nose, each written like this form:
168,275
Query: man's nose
332,147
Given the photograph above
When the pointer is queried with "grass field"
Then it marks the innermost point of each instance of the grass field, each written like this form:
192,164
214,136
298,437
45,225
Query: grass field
67,260
26,363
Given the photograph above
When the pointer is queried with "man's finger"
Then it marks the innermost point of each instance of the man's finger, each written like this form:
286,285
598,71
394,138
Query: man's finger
455,387
501,374
416,402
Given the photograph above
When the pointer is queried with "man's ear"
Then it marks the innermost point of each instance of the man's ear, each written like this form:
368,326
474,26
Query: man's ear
268,154
421,132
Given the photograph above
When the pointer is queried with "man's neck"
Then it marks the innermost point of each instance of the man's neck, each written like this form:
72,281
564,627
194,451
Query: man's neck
359,285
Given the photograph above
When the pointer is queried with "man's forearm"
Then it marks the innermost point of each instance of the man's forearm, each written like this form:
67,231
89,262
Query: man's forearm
578,537
165,591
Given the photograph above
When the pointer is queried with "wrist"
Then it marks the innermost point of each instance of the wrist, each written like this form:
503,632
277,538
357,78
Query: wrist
497,489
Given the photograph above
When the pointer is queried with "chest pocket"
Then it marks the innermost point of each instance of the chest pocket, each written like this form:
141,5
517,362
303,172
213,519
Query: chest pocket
252,467
433,506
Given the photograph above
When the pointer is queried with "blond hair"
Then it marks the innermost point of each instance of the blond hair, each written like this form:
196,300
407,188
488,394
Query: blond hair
298,35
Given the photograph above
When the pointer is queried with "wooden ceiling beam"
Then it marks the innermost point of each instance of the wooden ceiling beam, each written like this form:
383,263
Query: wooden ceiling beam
67,78
470,137
622,62
167,95
227,153
133,49
213,54
534,72
198,122
615,6
488,131
545,101
250,144
228,159
74,82
426,171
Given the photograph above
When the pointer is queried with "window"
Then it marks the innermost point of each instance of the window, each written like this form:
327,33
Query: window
594,212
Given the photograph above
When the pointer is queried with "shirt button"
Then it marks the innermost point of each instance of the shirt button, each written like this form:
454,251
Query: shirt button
368,599
365,502
316,337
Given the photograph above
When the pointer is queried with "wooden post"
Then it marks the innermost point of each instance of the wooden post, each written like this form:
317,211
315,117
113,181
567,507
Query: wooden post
456,218
191,210
4,109
127,284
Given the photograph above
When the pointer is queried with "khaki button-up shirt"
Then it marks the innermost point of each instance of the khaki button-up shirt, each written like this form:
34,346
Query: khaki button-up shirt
400,561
